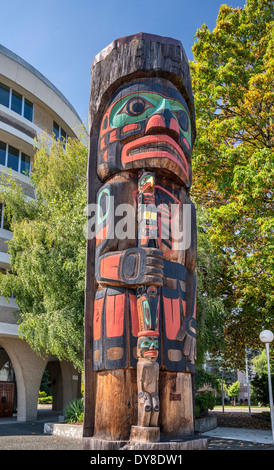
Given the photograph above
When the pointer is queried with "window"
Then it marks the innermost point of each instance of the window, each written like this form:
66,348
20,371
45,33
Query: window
2,153
25,164
4,223
63,135
16,102
13,158
28,110
58,132
4,95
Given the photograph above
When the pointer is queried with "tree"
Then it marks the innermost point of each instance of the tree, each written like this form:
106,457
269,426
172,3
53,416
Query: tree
260,362
210,308
259,383
203,378
260,388
47,252
234,390
232,76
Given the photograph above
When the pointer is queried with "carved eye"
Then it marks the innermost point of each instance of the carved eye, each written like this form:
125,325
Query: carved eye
136,106
183,119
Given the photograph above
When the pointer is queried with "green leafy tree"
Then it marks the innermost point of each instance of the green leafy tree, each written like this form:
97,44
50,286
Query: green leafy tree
210,307
234,390
47,252
232,76
260,362
203,377
260,388
259,383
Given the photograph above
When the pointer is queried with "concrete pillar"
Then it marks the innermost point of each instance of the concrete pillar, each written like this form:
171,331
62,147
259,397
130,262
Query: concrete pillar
28,369
71,382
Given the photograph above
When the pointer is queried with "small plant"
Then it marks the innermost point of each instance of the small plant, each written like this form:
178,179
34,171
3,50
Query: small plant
74,412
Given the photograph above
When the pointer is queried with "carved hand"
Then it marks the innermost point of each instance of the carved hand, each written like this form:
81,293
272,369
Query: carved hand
189,348
142,266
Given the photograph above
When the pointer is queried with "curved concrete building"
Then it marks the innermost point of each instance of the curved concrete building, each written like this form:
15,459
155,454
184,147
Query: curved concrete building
29,104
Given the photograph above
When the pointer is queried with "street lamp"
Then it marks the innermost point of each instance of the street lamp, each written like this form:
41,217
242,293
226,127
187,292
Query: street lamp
266,337
247,381
223,401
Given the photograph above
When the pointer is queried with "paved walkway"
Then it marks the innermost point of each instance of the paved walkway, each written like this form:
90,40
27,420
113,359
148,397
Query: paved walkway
251,435
30,436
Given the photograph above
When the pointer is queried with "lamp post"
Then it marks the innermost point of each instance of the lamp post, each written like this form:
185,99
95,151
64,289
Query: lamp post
247,382
266,337
223,401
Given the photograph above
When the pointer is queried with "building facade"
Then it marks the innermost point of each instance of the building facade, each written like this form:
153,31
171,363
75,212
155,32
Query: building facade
29,105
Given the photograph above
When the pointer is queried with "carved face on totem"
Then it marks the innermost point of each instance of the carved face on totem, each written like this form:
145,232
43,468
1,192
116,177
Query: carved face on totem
147,346
146,125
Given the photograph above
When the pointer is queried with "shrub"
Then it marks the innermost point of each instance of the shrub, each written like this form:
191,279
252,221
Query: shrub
45,401
197,411
43,398
205,402
74,412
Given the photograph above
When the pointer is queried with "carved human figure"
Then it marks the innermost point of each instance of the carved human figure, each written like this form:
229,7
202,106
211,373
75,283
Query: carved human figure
148,393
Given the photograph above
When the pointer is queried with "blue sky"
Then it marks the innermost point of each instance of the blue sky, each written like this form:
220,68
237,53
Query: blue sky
61,37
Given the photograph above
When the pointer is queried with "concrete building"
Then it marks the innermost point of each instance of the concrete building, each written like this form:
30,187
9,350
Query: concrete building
29,104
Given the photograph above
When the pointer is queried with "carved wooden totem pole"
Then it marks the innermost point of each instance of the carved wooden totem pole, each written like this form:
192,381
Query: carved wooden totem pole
140,283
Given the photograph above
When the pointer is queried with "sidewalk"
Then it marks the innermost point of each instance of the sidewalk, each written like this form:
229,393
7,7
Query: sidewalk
250,435
30,436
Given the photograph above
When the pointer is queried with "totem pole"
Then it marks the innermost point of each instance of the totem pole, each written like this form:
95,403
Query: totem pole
140,282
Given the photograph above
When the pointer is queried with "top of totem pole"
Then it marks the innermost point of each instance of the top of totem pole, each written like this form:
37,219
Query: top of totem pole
133,37
137,56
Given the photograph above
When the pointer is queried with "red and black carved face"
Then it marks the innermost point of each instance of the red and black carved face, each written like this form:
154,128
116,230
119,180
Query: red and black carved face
147,346
146,125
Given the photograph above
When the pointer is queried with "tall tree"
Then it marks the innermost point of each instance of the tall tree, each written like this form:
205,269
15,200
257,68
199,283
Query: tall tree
232,77
210,307
47,252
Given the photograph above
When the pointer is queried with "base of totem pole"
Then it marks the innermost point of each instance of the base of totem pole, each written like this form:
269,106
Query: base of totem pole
186,443
144,434
193,442
93,443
